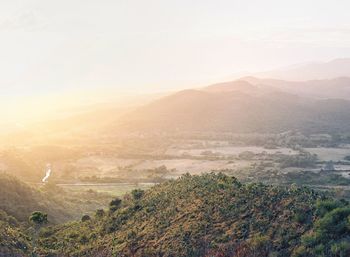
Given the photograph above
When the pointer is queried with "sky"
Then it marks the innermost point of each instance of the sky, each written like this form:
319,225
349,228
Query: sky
160,45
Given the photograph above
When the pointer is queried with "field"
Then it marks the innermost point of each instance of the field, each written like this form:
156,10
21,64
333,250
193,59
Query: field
227,150
327,153
178,159
118,170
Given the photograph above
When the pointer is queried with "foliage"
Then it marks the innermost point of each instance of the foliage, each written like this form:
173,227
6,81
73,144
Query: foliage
19,200
115,204
13,241
85,218
302,160
38,218
137,194
207,215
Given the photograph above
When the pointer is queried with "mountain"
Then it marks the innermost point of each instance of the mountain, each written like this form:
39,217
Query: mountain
237,85
246,105
208,215
311,71
241,107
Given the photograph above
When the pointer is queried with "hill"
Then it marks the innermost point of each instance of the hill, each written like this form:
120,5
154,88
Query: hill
14,241
208,215
218,109
246,105
19,200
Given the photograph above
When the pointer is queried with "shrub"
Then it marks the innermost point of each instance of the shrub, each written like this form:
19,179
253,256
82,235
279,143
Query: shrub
100,213
85,218
137,194
38,218
341,249
115,204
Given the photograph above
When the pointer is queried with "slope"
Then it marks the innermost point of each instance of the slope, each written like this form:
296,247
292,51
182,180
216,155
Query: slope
208,215
239,112
19,200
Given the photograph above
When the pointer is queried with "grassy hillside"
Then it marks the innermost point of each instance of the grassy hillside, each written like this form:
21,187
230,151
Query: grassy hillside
19,200
208,215
13,240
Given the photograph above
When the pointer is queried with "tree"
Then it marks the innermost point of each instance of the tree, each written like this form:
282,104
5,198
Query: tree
38,218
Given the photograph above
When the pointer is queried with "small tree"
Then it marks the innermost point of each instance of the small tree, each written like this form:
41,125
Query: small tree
38,218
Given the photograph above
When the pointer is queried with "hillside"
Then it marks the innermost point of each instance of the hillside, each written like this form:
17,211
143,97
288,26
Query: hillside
214,109
246,105
14,241
19,200
208,215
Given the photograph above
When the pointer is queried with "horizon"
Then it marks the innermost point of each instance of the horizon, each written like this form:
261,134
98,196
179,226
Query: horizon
20,110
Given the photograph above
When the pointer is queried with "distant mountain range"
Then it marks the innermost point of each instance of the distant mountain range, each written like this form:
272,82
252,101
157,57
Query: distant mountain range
253,104
230,108
249,104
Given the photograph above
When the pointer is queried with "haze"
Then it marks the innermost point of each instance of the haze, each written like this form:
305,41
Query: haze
174,128
57,57
152,46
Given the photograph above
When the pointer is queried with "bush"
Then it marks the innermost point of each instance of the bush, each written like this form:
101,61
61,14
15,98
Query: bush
341,249
137,194
115,204
334,224
85,218
100,213
326,206
38,218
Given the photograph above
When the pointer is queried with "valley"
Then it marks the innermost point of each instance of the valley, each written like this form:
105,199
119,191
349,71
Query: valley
237,168
174,128
135,162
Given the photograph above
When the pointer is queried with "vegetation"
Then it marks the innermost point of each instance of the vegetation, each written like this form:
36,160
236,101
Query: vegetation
19,200
302,160
209,215
38,218
13,241
319,179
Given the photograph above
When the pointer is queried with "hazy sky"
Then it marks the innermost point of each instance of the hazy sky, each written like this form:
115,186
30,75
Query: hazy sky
157,45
